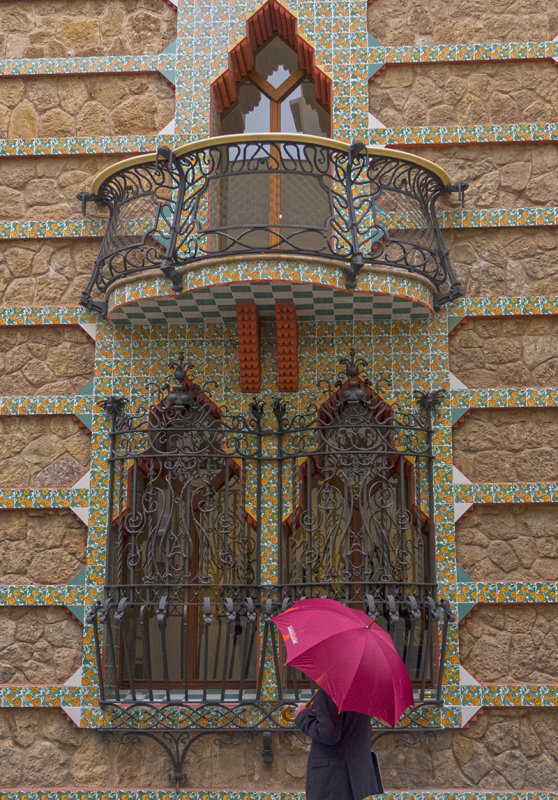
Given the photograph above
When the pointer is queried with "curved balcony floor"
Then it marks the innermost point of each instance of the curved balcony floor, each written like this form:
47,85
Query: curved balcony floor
317,288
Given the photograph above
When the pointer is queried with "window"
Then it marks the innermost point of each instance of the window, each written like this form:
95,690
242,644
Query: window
277,96
183,552
187,609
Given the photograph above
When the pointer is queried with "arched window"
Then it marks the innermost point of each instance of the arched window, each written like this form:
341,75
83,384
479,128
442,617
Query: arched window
276,96
357,527
182,552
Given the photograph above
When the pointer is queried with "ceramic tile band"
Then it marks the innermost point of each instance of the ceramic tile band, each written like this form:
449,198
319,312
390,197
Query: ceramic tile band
40,696
513,592
46,315
146,143
496,51
506,695
43,498
55,595
52,228
29,406
498,217
462,218
524,492
86,65
461,134
85,145
504,398
534,305
153,794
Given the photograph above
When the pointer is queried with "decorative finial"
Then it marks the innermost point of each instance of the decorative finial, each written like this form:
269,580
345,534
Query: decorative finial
355,391
178,396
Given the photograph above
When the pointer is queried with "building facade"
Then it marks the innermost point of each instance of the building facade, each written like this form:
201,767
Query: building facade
260,341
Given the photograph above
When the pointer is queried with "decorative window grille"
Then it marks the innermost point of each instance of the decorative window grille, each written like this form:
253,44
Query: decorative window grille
186,619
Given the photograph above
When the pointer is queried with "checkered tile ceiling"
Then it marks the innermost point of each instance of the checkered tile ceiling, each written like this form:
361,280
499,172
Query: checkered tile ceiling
218,304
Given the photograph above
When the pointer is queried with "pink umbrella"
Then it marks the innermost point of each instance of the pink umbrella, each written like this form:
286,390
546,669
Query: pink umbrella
349,656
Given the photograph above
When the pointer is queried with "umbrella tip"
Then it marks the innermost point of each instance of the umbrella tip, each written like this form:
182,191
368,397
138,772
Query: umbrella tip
372,621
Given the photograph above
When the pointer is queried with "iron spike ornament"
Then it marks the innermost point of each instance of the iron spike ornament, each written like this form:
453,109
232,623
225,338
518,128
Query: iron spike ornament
356,389
178,397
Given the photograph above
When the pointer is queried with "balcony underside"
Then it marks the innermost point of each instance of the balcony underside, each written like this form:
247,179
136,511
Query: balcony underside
317,289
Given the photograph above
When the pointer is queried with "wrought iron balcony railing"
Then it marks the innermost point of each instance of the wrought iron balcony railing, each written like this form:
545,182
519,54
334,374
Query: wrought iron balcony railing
269,194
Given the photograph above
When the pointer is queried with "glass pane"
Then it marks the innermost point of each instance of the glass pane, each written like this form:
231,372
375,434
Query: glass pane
301,112
276,62
250,115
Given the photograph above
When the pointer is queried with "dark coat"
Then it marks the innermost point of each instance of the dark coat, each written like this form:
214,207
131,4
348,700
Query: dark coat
339,764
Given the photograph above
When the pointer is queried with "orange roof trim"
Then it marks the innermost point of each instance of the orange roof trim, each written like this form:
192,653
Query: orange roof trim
249,347
272,19
287,346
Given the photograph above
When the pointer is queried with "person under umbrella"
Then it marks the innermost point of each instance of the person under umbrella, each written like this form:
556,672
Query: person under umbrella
360,674
340,764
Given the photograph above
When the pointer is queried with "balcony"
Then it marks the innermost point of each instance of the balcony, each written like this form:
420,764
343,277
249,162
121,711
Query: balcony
229,198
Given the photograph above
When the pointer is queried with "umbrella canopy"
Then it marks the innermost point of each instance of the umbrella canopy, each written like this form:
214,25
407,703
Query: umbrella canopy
349,656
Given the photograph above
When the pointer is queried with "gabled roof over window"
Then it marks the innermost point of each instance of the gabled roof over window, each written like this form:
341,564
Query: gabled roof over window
272,19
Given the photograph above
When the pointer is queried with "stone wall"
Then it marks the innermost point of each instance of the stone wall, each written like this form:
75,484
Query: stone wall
465,94
419,22
511,643
85,105
507,444
43,451
509,542
46,188
41,546
514,176
506,352
499,261
504,749
38,29
36,361
45,271
39,646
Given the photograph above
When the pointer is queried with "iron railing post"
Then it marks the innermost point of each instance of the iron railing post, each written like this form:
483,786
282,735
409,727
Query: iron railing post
356,261
167,264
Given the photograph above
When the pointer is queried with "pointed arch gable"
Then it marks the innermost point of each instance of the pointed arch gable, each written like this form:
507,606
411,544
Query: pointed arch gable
270,20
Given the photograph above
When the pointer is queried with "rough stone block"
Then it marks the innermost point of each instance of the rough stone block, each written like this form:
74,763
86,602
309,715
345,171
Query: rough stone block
422,22
516,175
498,92
506,261
43,451
506,352
51,361
89,28
111,116
39,645
511,643
507,444
41,546
45,272
509,542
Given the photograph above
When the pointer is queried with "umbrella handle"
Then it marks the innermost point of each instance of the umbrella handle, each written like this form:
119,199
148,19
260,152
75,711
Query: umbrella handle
286,715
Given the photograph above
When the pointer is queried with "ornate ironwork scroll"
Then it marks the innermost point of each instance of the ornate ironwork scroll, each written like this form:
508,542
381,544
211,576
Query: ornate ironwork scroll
266,194
184,635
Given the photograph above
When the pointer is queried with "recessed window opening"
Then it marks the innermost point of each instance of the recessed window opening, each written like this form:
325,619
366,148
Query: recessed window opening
277,96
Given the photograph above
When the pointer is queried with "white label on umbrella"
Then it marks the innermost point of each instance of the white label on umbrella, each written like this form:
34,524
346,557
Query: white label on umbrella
292,634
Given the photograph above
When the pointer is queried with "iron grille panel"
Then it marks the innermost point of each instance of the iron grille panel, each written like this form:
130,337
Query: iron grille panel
187,613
